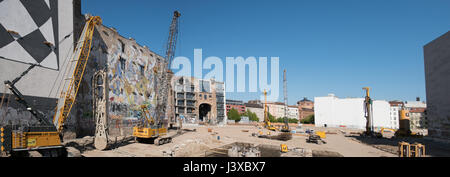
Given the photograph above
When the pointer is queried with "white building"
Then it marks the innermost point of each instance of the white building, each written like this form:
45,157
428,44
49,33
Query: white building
332,111
394,116
292,112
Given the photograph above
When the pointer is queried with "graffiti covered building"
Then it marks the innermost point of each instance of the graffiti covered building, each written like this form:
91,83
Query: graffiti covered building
130,67
131,74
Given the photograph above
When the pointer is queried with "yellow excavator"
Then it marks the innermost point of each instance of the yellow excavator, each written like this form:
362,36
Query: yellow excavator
46,136
149,129
404,125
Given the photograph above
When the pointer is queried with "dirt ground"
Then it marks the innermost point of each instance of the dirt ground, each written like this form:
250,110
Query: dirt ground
196,143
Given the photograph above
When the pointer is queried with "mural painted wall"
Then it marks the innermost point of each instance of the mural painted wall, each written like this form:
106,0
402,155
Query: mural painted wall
38,32
131,76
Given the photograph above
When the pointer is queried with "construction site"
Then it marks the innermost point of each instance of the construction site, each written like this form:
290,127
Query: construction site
73,87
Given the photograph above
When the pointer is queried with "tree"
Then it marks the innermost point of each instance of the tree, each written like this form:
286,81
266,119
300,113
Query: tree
251,116
233,114
271,118
308,120
293,120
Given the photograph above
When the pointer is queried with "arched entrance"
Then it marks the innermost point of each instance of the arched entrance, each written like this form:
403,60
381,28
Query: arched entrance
203,110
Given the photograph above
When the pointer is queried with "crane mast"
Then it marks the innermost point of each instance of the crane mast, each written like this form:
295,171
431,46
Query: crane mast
368,111
164,80
286,107
78,61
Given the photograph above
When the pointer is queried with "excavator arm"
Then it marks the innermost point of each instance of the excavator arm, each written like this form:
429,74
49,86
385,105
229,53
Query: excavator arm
78,63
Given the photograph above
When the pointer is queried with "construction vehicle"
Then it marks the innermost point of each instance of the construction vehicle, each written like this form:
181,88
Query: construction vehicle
404,125
316,137
368,113
46,137
285,127
284,148
411,150
267,123
167,73
382,130
149,129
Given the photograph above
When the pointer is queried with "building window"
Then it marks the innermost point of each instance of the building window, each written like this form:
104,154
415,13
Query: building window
142,69
122,63
122,45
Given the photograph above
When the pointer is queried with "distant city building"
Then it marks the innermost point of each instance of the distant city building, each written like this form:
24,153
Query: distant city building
293,112
276,109
255,102
331,111
198,100
437,81
305,108
237,105
395,113
417,114
258,109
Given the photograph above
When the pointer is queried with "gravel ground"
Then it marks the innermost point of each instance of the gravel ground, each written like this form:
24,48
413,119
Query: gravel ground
194,144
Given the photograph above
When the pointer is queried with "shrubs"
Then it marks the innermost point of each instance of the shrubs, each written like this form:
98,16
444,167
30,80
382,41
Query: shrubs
233,114
308,120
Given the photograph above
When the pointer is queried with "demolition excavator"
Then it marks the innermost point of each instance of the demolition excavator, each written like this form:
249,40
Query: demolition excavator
46,136
150,128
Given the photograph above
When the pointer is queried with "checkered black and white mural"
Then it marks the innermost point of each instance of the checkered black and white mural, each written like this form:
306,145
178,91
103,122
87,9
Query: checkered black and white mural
29,32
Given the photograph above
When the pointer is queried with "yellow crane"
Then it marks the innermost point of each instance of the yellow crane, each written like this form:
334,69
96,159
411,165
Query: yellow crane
267,123
46,137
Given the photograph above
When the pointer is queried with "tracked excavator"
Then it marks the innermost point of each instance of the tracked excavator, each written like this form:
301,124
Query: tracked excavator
46,136
152,128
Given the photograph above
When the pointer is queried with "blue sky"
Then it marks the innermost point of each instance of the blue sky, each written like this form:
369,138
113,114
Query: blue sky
325,46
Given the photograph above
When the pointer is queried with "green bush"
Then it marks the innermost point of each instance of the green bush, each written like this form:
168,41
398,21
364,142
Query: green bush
308,120
233,114
251,116
293,120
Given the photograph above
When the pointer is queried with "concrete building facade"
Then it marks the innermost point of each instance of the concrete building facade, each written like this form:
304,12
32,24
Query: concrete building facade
293,112
198,100
331,111
417,114
129,66
237,105
38,32
258,109
305,108
276,109
437,81
395,107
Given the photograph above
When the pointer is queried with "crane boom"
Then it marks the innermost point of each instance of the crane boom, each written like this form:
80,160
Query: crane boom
172,41
163,83
78,60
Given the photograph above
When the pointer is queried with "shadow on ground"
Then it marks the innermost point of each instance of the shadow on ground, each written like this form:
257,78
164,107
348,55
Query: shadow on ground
432,148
